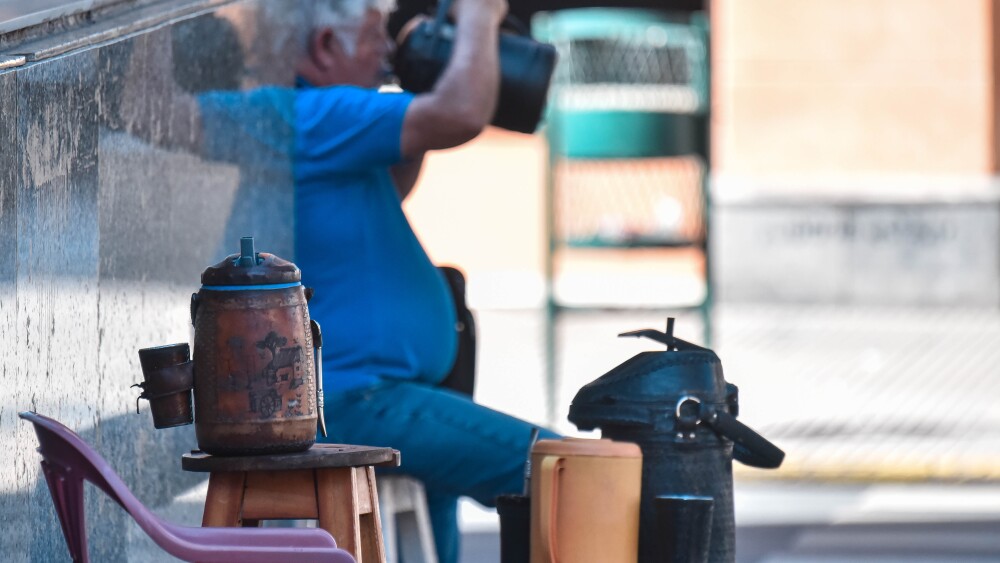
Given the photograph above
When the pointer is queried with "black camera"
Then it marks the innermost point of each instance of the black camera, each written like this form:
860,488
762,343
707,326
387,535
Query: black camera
526,67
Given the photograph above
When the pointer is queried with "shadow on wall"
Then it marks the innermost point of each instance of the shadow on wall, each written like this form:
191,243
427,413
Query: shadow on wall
113,203
229,175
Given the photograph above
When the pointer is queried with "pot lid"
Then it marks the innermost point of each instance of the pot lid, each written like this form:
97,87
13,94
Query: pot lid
650,383
251,268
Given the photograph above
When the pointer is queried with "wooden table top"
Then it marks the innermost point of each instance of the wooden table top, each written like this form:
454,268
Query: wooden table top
319,456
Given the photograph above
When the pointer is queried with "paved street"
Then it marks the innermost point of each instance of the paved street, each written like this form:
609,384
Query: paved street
814,523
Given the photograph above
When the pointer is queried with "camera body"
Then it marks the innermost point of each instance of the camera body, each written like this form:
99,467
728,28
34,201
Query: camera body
526,68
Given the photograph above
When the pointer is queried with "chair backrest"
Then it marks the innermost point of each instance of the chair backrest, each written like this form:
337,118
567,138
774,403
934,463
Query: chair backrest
67,461
66,450
630,83
462,377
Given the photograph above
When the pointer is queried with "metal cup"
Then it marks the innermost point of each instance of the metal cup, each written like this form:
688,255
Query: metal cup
684,526
515,528
169,379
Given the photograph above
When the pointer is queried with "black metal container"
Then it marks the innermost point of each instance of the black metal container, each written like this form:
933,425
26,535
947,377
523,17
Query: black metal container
677,406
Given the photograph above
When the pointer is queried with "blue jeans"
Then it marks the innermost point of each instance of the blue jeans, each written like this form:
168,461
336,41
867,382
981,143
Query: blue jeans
453,445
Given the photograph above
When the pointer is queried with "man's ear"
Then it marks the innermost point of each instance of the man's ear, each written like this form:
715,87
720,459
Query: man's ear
325,49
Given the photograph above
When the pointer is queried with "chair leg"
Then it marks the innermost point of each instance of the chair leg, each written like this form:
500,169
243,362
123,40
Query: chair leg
422,523
387,512
67,495
406,524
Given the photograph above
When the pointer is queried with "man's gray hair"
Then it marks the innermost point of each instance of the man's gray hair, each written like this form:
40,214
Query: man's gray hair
345,17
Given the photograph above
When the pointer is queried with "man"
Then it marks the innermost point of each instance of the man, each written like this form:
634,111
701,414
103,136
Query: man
387,315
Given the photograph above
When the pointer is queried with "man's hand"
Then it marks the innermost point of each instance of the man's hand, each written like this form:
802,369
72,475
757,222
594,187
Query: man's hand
493,9
464,99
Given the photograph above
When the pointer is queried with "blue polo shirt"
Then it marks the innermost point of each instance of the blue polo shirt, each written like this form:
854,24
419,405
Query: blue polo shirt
385,310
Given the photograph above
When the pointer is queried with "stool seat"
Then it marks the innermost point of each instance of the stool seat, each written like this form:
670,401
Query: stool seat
316,457
331,483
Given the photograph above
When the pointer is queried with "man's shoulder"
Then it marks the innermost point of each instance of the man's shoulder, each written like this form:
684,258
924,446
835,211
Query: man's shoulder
350,95
347,128
336,92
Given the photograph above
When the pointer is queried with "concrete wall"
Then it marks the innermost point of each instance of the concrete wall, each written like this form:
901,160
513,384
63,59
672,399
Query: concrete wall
113,198
854,151
859,253
855,86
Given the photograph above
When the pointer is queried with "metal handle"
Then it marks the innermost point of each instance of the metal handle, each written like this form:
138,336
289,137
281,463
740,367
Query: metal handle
548,496
749,447
317,335
672,342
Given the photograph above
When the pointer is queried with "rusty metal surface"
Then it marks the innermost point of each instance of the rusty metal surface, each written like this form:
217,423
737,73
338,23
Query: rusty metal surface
168,380
107,222
255,378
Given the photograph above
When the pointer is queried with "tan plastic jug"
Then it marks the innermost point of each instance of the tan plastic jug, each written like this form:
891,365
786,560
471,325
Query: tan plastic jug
585,497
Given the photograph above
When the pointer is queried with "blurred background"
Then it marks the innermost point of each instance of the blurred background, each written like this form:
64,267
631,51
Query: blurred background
809,186
837,244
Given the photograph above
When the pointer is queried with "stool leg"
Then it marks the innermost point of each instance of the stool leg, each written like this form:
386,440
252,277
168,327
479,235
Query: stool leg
387,514
224,501
372,546
337,501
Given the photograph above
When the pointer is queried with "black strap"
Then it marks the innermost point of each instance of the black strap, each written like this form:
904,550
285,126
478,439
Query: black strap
749,447
439,20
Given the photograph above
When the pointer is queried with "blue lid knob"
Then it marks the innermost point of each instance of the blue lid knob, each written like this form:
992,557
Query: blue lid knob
248,258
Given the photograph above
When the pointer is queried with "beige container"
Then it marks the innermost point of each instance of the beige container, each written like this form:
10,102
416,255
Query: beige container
585,501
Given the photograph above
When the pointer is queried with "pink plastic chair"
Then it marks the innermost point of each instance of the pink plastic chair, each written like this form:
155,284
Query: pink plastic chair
68,460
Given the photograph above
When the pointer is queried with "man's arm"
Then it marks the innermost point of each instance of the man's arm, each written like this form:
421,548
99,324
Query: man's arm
464,99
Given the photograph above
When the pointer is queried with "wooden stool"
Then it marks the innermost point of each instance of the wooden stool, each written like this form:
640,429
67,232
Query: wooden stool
331,483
